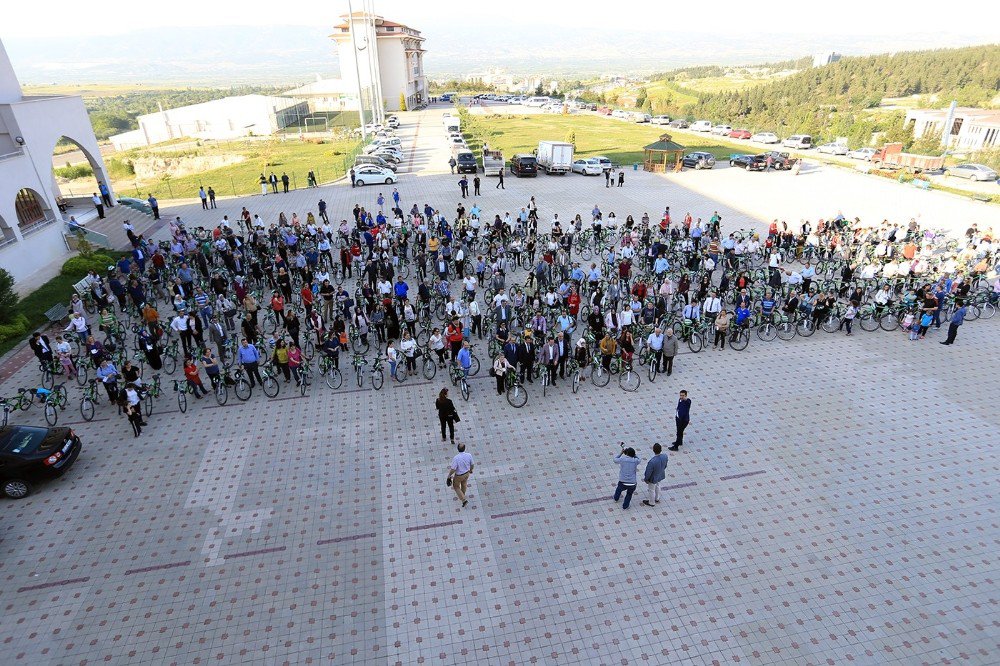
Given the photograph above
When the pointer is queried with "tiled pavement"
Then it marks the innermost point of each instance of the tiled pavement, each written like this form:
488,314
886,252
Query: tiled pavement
835,502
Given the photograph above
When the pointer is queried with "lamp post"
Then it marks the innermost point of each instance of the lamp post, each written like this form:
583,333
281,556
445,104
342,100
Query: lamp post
357,70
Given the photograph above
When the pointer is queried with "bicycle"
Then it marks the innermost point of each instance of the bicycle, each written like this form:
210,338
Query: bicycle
458,378
153,390
269,385
91,398
182,388
220,389
378,373
576,372
330,373
240,383
305,378
49,371
55,401
690,334
517,395
629,379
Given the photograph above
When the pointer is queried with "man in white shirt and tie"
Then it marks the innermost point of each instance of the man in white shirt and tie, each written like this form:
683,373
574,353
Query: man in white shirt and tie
712,306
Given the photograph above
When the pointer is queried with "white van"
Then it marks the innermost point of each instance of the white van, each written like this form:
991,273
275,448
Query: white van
537,101
800,141
701,126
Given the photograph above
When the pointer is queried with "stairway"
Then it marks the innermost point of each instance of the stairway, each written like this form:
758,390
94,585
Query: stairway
114,218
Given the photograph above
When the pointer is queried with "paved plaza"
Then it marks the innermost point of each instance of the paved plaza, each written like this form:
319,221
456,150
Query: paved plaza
835,500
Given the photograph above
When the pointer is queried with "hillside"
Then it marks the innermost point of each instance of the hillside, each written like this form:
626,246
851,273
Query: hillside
817,100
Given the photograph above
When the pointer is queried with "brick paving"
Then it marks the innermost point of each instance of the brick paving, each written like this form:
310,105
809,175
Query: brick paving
834,502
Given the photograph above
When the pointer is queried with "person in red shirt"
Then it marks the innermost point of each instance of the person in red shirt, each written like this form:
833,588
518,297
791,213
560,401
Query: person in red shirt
193,379
307,298
640,290
455,336
278,306
573,302
624,270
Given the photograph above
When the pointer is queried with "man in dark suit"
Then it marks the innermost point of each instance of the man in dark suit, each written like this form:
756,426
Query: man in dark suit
218,335
527,351
40,345
503,313
681,418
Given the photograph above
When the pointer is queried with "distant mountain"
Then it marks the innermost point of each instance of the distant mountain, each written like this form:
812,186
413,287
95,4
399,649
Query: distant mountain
234,55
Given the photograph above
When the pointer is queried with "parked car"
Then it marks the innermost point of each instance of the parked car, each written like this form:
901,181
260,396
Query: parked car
642,117
748,162
375,160
524,166
679,123
699,160
833,148
368,174
29,454
389,154
862,154
722,130
972,171
765,137
590,166
606,164
660,120
466,162
740,134
456,140
701,126
392,121
800,141
779,161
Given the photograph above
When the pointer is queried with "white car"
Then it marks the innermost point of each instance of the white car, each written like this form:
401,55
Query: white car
765,137
833,148
590,166
618,113
722,130
457,141
660,120
369,173
605,163
862,154
972,171
701,126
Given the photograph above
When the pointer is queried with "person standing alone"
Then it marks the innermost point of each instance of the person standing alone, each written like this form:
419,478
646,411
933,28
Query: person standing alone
500,182
459,471
957,319
656,471
446,414
681,418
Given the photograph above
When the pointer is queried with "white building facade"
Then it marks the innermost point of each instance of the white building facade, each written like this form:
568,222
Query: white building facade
220,119
971,129
326,95
31,226
396,66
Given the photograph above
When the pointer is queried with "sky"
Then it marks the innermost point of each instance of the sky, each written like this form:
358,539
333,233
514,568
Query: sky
724,17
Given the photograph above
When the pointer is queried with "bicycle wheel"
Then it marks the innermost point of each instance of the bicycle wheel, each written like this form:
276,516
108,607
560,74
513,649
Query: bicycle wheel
600,375
309,349
576,381
182,400
465,389
830,324
474,369
358,345
334,379
169,364
786,330
889,322
51,413
806,327
303,386
360,376
221,393
81,375
629,380
517,396
767,332
869,322
652,370
695,342
423,337
87,409
148,404
270,325
987,310
972,312
430,368
740,340
270,387
243,389
378,378
47,379
402,374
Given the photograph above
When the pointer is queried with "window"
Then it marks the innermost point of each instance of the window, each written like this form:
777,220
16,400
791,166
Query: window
29,208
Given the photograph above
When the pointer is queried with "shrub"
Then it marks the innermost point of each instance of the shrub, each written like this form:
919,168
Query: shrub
8,297
80,266
17,328
73,172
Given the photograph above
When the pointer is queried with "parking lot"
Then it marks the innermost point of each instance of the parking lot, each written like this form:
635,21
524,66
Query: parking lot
834,500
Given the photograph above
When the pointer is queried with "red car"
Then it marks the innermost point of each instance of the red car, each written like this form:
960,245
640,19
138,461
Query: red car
739,134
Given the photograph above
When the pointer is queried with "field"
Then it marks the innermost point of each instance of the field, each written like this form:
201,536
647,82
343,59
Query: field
93,90
714,84
292,156
620,141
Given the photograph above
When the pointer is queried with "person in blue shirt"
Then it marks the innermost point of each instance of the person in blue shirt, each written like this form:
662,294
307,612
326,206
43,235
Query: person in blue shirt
627,462
742,315
465,358
957,319
661,265
681,418
655,472
401,289
767,305
249,358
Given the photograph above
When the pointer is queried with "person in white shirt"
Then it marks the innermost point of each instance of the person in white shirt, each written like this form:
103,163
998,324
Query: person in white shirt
712,305
626,317
692,311
655,342
470,286
385,288
408,346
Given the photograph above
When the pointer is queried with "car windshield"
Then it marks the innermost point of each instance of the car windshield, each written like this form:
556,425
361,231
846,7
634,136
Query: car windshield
22,440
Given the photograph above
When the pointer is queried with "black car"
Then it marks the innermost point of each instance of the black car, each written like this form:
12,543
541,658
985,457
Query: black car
524,165
31,453
748,162
699,160
681,124
466,162
779,161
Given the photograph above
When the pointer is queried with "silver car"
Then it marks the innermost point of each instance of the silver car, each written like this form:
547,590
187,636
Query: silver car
972,171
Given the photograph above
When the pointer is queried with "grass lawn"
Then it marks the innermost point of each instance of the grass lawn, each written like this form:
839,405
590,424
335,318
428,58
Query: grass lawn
295,157
618,140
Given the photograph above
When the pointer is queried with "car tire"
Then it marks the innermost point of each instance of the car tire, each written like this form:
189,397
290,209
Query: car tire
388,181
16,488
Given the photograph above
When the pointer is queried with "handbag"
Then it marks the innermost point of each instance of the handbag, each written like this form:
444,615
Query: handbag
493,373
447,482
455,417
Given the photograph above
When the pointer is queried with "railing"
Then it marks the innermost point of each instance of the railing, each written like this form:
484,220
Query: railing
35,226
9,240
92,237
17,153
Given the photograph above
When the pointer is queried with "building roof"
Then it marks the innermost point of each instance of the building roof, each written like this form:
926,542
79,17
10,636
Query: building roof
238,101
665,145
320,87
379,22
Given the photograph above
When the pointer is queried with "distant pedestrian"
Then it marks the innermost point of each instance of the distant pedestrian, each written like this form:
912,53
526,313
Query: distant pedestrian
475,185
464,184
322,211
105,194
957,319
154,206
452,163
284,182
354,177
99,205
458,473
134,413
621,177
446,414
395,196
273,179
681,418
670,345
211,197
203,195
655,472
311,179
627,462
263,189
607,178
500,182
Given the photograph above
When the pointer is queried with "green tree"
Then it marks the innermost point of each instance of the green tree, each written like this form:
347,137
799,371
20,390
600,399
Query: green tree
641,98
571,137
402,101
8,297
539,91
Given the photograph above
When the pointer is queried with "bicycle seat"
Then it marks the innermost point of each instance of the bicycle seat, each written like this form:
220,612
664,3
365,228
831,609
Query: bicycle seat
156,376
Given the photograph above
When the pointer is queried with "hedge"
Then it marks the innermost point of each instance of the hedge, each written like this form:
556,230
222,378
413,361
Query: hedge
81,265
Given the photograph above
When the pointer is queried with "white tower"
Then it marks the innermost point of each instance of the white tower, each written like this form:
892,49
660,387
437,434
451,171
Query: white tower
10,89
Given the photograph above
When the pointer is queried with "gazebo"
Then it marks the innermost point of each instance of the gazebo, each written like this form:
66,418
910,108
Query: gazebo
662,155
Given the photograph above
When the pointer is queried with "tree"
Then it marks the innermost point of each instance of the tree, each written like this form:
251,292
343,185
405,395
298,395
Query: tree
402,101
8,297
641,98
571,138
539,91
